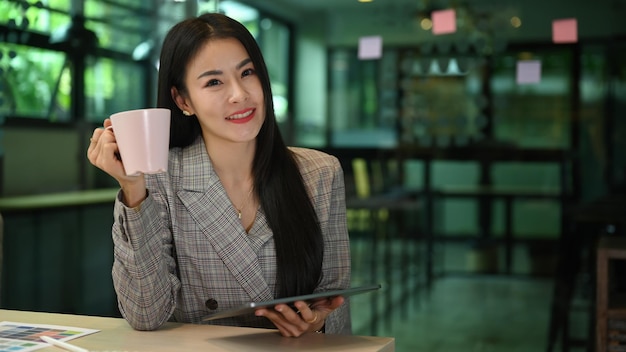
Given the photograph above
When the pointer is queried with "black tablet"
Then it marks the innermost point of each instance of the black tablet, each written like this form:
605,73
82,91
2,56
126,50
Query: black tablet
250,307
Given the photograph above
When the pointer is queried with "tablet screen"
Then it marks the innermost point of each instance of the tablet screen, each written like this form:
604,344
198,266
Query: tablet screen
250,307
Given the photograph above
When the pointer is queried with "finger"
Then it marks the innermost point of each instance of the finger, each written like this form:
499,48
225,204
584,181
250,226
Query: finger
95,136
98,136
292,316
283,328
285,319
106,126
307,314
328,303
92,150
337,301
102,137
108,156
276,319
104,156
313,320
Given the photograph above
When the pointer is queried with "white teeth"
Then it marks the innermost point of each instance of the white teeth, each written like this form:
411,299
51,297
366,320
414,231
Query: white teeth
239,116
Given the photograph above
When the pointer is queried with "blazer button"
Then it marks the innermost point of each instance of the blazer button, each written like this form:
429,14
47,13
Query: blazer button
211,304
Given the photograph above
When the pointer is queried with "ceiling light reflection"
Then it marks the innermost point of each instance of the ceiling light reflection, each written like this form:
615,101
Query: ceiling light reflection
426,24
516,22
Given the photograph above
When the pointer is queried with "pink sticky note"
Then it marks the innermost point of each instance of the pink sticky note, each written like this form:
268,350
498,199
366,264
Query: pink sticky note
444,21
370,47
565,30
528,71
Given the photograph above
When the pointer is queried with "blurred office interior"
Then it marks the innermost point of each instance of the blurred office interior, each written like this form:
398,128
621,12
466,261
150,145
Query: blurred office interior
474,199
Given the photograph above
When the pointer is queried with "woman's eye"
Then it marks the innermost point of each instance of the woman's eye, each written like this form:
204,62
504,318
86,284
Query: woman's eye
247,72
212,83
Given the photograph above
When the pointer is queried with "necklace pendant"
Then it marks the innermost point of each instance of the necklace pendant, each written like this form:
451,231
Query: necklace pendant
239,214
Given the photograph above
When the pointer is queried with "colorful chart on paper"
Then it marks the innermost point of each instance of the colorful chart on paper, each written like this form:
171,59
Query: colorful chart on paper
23,337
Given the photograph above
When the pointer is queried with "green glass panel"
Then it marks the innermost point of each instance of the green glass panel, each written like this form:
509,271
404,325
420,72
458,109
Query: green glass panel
120,27
28,15
34,83
533,115
112,86
359,100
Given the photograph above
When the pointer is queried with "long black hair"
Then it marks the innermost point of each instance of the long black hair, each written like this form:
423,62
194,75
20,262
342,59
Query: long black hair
278,183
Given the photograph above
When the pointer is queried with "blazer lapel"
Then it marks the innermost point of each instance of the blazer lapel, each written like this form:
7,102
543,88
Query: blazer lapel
208,204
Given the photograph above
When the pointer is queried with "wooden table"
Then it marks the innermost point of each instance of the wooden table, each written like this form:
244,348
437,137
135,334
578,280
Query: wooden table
116,335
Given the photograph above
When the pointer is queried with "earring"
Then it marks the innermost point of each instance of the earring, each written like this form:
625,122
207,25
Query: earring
186,113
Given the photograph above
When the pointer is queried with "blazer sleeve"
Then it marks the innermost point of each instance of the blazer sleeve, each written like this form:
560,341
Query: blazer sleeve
144,269
336,266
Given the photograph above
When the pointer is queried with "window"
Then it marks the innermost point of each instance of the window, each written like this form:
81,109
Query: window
362,100
440,100
533,115
46,54
32,77
39,55
274,39
34,83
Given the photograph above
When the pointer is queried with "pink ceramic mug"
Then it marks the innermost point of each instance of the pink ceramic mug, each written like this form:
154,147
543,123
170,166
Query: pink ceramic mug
143,137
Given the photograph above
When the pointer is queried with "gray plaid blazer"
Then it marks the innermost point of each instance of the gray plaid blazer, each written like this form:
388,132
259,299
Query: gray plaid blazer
183,254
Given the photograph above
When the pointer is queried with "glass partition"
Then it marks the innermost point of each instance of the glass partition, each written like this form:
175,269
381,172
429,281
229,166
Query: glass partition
33,83
121,27
274,39
442,100
533,115
112,86
362,100
44,45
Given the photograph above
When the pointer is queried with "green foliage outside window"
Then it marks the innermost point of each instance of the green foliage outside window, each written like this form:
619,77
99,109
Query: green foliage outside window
36,82
30,75
29,82
32,16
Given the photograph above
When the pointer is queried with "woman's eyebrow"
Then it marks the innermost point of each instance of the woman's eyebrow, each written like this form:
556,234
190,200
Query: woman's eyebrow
210,73
243,63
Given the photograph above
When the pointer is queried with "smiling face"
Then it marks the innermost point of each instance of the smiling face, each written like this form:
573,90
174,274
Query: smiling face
224,92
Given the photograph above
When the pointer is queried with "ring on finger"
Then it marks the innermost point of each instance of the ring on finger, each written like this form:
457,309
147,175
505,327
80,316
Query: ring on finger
312,320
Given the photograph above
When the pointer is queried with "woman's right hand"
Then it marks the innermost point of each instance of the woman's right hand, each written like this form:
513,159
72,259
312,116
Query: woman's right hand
103,153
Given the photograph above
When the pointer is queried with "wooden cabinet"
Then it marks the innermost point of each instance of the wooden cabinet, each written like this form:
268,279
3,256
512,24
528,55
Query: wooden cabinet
58,253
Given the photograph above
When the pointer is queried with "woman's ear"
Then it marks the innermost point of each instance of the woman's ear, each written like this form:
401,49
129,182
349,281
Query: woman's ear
180,101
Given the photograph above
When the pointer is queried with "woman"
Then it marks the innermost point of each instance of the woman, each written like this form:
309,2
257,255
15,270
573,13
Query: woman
238,216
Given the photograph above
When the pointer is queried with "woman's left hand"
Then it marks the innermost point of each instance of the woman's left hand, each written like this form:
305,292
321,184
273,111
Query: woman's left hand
305,317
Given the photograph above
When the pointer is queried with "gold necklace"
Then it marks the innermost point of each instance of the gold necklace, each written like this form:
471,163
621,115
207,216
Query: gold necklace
243,205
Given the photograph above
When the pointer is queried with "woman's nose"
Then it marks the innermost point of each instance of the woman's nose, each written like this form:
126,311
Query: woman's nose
238,93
